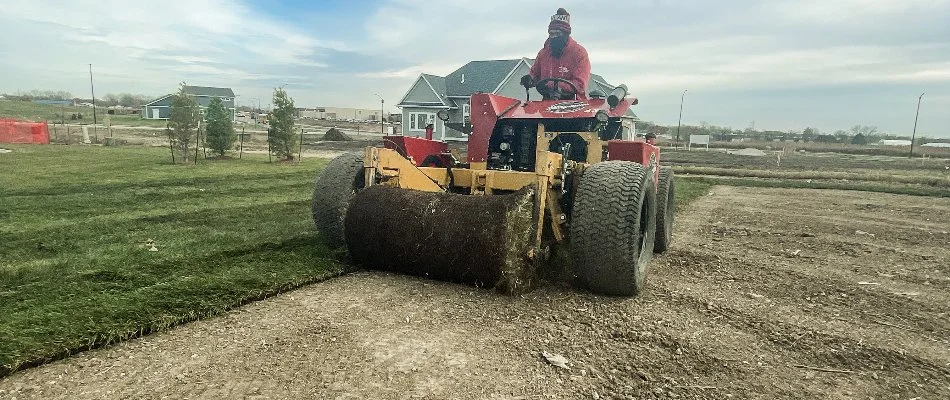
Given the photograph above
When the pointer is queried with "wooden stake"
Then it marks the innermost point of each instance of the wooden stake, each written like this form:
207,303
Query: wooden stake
170,146
241,154
197,138
300,149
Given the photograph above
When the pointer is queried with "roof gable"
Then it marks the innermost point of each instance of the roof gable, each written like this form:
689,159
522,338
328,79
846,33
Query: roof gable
427,91
161,101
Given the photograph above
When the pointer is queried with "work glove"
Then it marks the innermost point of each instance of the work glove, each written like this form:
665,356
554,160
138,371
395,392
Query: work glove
526,81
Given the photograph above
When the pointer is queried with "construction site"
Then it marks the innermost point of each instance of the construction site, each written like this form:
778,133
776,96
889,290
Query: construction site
519,229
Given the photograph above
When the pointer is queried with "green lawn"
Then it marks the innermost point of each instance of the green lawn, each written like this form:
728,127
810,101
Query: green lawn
55,114
77,224
41,112
75,269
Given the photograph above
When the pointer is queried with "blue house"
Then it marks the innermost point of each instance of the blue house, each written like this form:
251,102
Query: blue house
160,108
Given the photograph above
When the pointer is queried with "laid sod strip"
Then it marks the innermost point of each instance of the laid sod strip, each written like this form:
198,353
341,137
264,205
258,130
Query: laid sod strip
99,245
942,182
802,184
688,190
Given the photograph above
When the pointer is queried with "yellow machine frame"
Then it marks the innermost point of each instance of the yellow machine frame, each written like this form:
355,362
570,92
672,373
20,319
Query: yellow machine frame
388,167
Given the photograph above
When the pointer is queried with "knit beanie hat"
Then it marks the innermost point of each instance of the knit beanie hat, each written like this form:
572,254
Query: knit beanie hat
561,21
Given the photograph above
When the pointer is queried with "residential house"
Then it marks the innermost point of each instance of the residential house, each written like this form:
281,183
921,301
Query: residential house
431,93
160,108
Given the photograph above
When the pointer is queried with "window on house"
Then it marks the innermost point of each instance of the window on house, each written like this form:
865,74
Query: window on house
418,121
466,114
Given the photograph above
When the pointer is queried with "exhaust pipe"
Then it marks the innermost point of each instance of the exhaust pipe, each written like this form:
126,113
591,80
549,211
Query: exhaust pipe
618,94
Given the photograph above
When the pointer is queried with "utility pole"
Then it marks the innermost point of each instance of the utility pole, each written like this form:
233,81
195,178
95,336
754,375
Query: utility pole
93,90
382,126
914,135
680,120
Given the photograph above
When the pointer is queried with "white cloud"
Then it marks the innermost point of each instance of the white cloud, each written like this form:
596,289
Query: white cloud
656,47
859,11
131,41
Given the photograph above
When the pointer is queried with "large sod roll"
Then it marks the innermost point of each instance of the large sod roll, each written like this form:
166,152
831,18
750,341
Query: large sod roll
478,240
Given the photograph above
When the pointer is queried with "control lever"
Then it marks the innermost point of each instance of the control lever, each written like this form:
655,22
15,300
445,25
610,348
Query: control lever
565,164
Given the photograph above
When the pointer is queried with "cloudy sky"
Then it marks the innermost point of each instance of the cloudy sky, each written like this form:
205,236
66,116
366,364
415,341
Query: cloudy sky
783,64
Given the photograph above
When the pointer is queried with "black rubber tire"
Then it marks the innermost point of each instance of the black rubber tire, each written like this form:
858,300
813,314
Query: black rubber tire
612,227
665,210
334,189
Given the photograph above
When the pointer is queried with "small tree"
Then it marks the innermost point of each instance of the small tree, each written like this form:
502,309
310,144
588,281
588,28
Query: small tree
281,132
183,120
809,134
219,132
859,139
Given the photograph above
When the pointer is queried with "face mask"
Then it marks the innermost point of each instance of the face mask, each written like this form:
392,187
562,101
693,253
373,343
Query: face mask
558,44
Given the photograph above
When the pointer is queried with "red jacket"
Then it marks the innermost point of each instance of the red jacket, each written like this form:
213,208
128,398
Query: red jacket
573,65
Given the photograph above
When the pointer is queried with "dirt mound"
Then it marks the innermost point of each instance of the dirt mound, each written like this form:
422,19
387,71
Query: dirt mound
336,135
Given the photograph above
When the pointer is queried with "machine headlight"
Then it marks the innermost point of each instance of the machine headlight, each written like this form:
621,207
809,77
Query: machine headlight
601,116
504,146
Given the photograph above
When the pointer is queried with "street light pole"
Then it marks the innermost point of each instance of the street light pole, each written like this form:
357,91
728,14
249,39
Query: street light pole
914,135
93,90
382,127
680,121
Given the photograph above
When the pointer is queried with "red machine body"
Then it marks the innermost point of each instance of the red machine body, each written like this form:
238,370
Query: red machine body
418,149
488,109
637,151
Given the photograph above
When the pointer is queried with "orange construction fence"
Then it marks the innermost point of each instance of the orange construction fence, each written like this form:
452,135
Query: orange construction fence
15,131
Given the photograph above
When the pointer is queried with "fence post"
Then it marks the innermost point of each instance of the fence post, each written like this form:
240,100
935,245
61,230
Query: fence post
241,154
300,149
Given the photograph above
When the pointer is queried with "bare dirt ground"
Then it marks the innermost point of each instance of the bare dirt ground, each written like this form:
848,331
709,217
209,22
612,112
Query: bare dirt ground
765,294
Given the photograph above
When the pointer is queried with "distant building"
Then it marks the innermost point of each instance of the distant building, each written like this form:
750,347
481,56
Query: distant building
340,113
160,108
55,102
894,142
944,145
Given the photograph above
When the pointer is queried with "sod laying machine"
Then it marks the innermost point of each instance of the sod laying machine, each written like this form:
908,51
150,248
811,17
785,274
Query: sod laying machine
548,189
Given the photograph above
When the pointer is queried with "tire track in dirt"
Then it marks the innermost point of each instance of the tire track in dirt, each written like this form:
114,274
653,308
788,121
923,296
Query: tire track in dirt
726,273
802,286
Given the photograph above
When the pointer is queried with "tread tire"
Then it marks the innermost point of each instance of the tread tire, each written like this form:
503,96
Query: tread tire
333,190
611,238
665,210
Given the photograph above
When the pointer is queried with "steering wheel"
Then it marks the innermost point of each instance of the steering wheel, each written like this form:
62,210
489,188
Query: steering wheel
548,93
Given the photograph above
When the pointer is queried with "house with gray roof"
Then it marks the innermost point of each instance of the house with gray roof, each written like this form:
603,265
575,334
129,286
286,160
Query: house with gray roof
160,108
431,93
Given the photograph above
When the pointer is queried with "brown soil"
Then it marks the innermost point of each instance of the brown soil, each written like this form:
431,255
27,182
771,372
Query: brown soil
765,294
334,134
